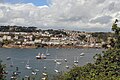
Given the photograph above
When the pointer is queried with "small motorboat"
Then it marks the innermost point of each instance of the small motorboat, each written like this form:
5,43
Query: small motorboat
16,73
44,78
11,65
44,68
58,63
55,60
82,54
56,71
65,60
75,64
37,70
26,76
34,73
44,74
75,61
67,66
8,58
13,77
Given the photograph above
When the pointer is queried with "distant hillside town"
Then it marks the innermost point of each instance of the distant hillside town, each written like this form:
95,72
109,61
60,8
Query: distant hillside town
31,37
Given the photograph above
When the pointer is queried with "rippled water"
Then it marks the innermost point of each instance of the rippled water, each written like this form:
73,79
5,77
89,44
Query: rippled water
20,57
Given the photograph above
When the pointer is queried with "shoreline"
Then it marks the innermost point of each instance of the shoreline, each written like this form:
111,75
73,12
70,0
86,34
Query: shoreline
48,46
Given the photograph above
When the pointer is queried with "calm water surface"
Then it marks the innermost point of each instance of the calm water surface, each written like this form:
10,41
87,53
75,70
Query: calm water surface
21,57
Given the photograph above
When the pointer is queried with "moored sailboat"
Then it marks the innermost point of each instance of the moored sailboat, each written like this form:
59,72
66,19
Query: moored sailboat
27,66
41,56
47,54
38,56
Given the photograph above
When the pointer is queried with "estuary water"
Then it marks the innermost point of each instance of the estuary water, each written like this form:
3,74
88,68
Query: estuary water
20,57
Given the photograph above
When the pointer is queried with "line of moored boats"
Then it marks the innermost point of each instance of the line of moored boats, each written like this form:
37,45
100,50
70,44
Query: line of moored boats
44,56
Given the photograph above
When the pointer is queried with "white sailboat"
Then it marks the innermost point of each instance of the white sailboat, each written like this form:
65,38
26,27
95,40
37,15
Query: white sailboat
75,59
67,67
44,73
27,66
65,58
11,65
55,60
38,56
47,54
56,70
41,56
36,69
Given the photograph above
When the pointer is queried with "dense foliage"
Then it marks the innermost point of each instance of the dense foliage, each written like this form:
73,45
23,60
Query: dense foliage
2,71
102,35
105,67
17,29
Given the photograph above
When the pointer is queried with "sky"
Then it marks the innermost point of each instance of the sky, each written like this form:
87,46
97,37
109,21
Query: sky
35,2
80,15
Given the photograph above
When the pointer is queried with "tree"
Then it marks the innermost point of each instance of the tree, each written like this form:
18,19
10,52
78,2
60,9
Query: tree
116,29
105,67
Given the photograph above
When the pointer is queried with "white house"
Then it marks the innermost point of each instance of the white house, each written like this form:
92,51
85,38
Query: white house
37,40
5,37
1,39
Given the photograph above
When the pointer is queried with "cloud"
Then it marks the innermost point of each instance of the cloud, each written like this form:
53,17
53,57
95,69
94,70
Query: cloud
68,14
100,1
111,6
102,19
